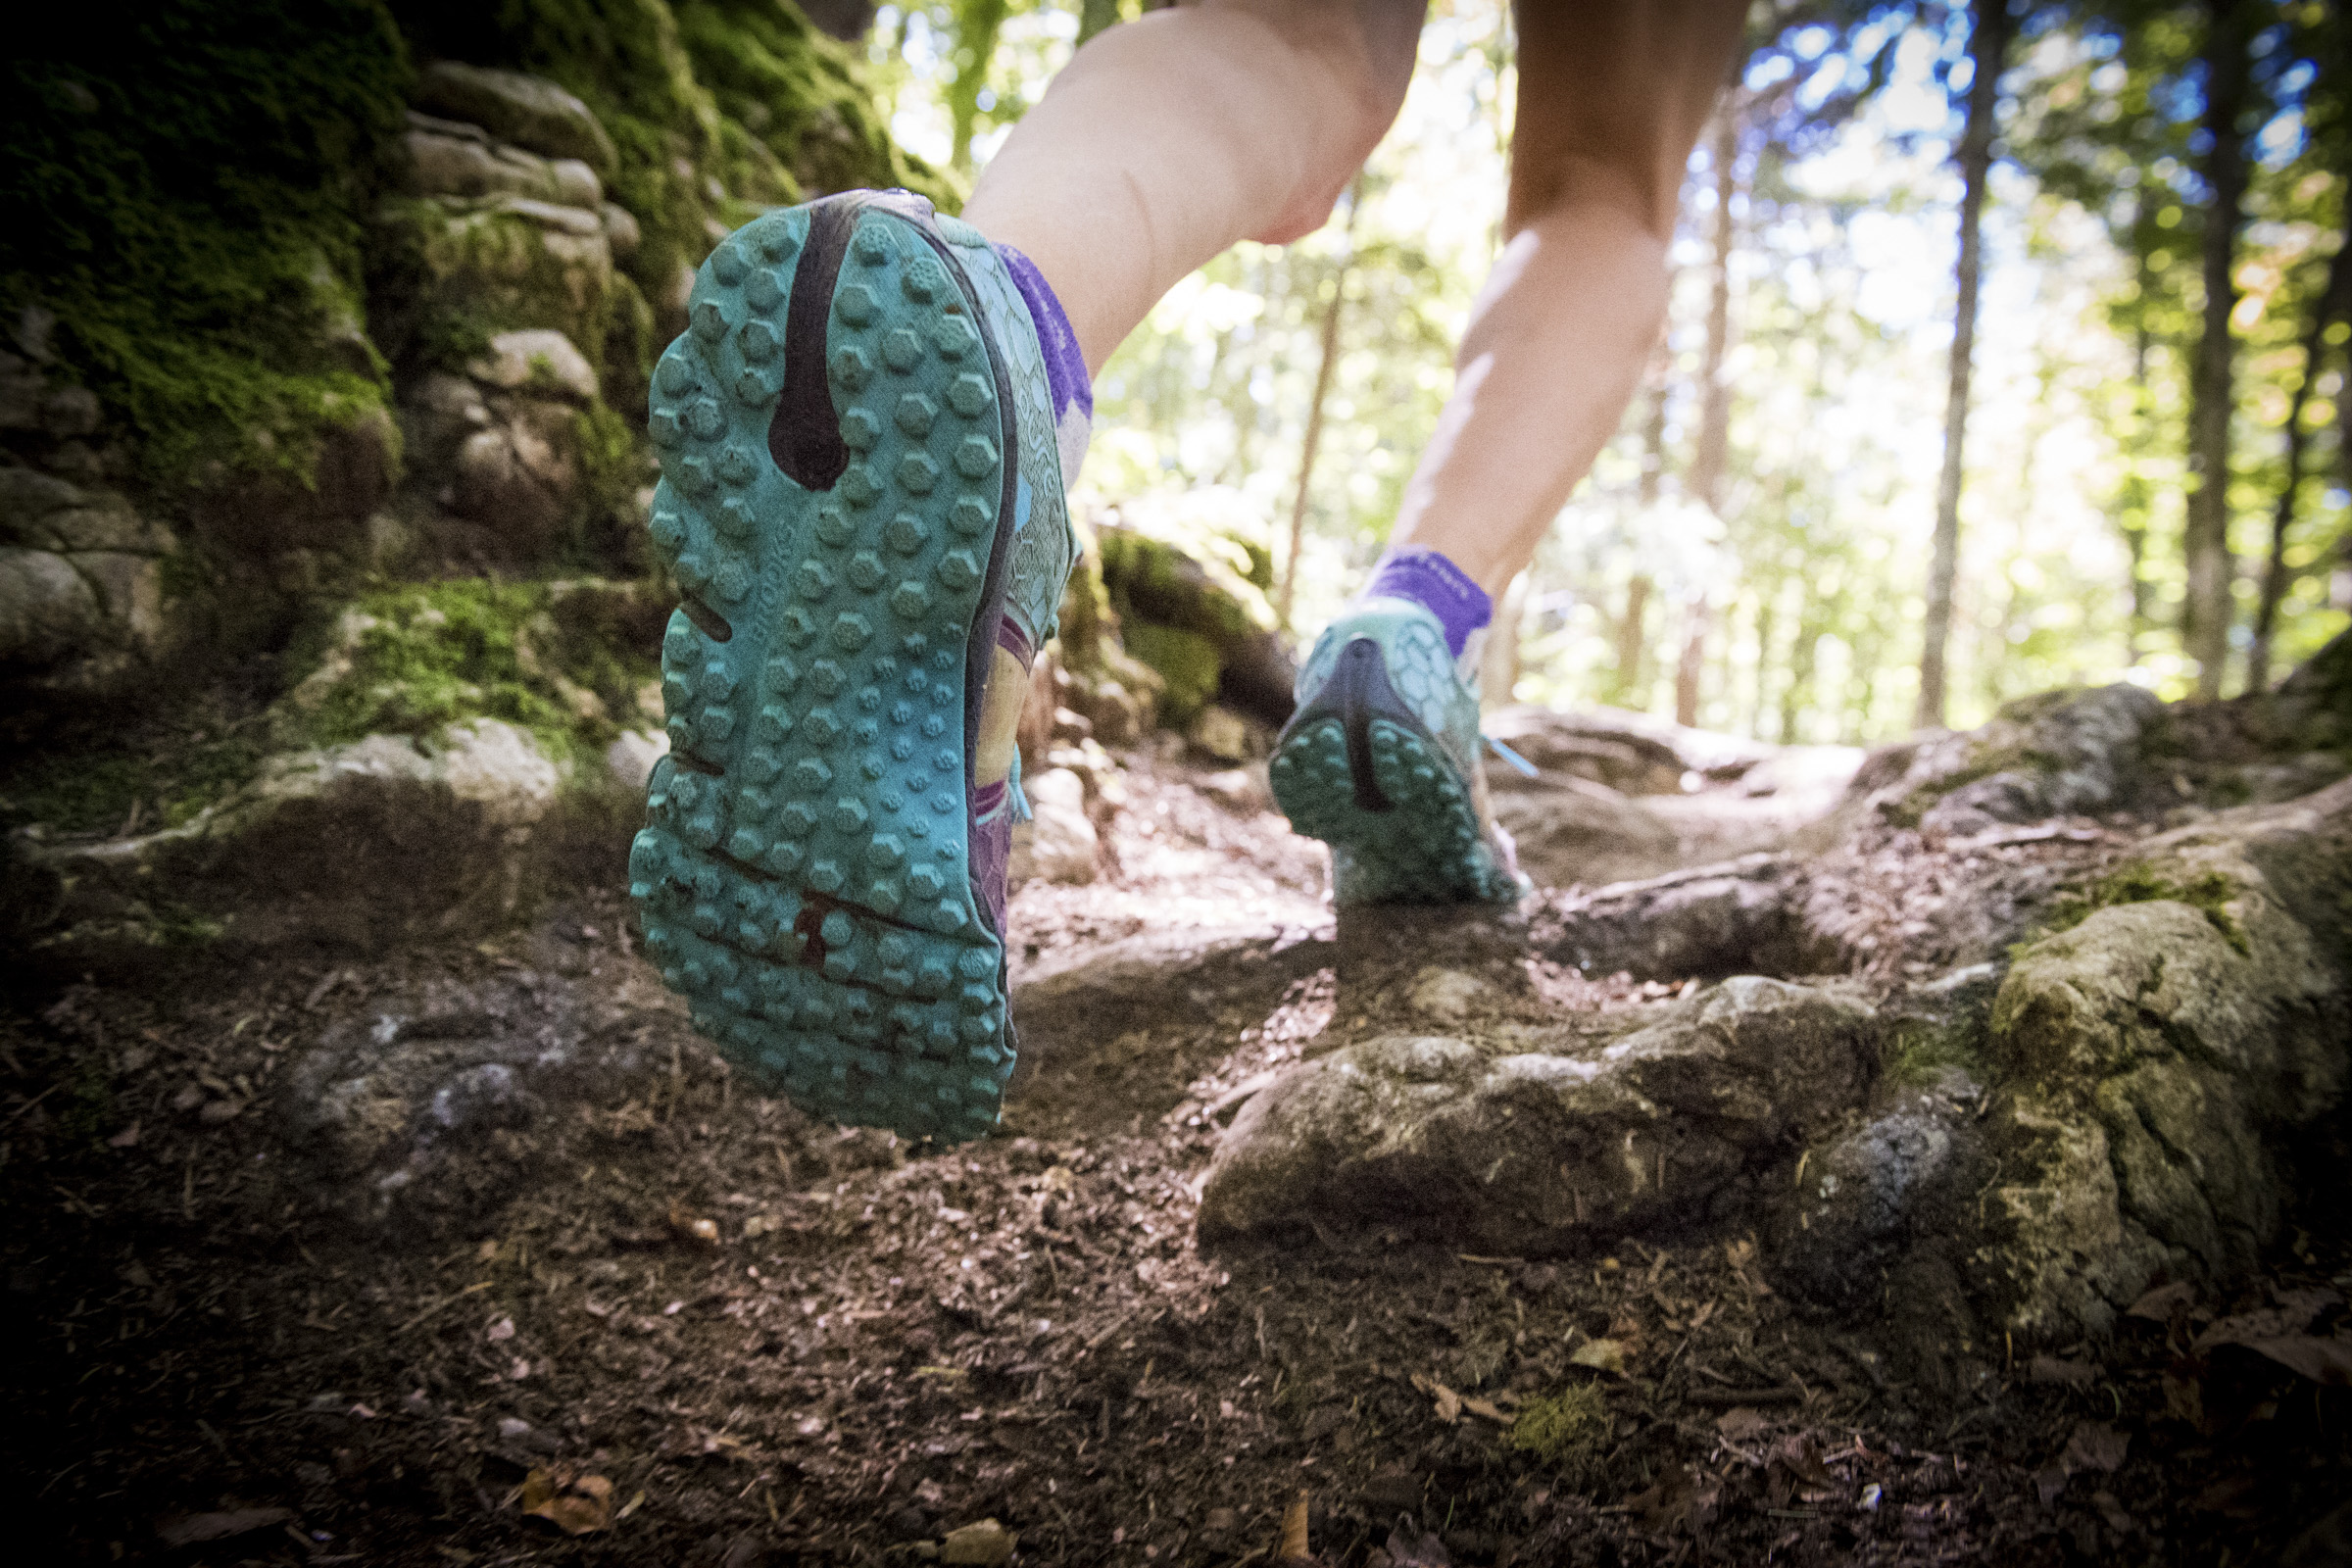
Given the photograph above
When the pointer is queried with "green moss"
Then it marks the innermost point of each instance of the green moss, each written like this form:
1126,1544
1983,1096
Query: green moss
557,662
1922,1047
76,790
183,190
1187,664
1564,1430
741,93
2141,883
451,273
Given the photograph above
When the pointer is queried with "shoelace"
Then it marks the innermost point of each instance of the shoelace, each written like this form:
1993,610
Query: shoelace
1508,755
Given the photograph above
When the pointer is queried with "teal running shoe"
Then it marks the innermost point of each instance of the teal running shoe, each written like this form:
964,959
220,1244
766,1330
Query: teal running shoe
861,505
1381,760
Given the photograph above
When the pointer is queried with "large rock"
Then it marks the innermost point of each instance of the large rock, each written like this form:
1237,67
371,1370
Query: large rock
1570,830
80,580
351,846
1532,1152
1634,754
1710,920
2164,1056
2057,754
1058,842
527,111
443,159
1192,605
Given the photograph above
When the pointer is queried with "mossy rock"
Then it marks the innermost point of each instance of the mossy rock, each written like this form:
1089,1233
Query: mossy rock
183,191
1187,664
569,662
678,89
1186,606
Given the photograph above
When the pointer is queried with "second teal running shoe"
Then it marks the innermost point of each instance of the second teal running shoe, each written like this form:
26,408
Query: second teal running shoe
1381,760
862,504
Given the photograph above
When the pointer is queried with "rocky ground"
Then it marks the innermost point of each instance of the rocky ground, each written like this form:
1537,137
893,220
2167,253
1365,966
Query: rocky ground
1955,1180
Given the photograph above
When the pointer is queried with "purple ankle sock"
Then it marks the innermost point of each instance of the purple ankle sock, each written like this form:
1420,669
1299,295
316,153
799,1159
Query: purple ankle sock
1437,584
1065,367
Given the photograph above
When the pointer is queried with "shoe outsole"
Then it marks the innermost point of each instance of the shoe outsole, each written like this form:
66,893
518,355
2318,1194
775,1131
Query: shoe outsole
803,877
1356,770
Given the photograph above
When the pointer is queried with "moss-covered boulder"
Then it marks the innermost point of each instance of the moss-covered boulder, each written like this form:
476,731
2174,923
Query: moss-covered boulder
2162,1058
1190,600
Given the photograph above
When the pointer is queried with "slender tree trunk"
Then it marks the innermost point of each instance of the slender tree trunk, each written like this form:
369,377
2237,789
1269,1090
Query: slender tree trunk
2275,576
1987,52
1313,440
2206,613
1800,669
1628,692
1712,455
977,24
2136,499
1626,689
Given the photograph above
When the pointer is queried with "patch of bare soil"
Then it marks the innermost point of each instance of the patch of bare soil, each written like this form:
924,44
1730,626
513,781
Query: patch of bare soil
649,1315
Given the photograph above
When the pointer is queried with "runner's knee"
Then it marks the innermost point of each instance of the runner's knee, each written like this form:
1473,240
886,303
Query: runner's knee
1355,58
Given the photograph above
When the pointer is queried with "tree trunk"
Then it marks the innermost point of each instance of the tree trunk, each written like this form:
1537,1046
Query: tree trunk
2206,612
977,24
1627,689
1313,439
2276,575
1712,455
1987,52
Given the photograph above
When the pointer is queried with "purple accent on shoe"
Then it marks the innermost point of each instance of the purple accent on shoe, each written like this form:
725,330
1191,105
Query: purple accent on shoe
1438,585
990,852
1065,367
1014,640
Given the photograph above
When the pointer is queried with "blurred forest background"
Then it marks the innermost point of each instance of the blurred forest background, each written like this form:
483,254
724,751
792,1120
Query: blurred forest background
2154,480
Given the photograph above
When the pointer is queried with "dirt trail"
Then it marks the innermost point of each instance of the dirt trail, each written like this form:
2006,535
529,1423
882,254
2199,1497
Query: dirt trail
541,1250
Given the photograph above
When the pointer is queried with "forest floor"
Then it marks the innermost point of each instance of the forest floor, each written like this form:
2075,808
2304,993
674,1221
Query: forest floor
692,1326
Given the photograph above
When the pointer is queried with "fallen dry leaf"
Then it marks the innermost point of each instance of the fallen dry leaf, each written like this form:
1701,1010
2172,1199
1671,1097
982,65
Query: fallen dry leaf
1448,1403
186,1530
1742,1424
1488,1408
128,1138
1292,1545
1666,1507
2159,1304
2295,1311
1603,1355
1410,1547
2325,1361
574,1505
2066,1374
2094,1445
983,1544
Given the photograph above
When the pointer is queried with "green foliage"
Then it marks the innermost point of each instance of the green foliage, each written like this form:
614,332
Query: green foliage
182,189
1565,1430
2141,883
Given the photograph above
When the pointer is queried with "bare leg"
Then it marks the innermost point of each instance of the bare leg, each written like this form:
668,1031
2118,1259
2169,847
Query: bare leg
1611,98
1170,138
